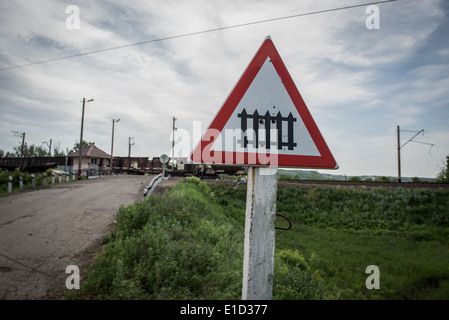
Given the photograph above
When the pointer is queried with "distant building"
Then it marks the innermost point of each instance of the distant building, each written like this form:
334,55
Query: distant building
92,158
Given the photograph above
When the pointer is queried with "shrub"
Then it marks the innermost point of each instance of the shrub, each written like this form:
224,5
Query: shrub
294,279
177,246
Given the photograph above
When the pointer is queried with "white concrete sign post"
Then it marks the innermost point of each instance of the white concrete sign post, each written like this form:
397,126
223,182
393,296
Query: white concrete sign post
259,234
263,124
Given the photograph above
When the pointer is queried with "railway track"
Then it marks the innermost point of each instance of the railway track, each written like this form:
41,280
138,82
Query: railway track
366,184
352,184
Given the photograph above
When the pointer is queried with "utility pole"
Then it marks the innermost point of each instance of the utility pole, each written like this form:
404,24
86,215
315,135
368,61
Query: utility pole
129,146
399,146
399,156
112,143
173,144
23,142
22,135
49,146
81,137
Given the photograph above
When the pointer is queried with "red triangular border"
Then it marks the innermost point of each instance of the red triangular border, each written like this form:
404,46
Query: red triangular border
267,49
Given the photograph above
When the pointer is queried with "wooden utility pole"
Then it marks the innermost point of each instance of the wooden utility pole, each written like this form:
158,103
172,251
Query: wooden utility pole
173,146
258,257
23,144
411,139
112,142
81,140
49,147
22,135
399,157
81,137
129,146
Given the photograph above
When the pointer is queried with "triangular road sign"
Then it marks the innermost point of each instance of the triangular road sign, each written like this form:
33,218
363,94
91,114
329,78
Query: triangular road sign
264,122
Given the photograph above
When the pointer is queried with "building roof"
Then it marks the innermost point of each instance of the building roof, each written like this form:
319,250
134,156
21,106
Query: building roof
91,152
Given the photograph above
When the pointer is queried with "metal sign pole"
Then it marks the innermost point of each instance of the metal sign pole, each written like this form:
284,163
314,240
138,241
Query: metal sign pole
258,257
163,175
164,160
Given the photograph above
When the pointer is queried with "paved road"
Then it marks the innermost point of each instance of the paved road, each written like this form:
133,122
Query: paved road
44,231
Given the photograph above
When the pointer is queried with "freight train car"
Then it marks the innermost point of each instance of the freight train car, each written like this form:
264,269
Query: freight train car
32,164
129,165
136,165
208,171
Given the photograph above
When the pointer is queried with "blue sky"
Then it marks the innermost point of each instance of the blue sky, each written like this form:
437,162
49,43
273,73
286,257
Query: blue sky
358,84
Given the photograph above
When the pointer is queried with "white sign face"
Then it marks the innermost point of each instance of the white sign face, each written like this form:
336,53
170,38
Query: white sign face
265,106
164,158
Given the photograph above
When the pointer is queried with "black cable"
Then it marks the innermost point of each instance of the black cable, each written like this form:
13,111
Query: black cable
195,33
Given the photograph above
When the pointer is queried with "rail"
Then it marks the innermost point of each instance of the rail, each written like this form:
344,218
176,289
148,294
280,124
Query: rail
367,184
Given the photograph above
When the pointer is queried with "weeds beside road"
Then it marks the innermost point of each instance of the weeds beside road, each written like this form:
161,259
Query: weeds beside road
188,244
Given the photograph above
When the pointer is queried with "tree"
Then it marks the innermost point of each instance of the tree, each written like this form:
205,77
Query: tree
57,152
76,146
29,151
443,176
7,154
314,175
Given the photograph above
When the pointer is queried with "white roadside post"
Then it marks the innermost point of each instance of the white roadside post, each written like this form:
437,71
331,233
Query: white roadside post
258,259
33,183
21,183
10,184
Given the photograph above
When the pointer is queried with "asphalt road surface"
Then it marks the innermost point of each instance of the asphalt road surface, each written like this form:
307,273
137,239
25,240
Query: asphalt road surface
45,230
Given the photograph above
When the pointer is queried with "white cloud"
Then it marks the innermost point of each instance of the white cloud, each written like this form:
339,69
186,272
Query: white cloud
356,82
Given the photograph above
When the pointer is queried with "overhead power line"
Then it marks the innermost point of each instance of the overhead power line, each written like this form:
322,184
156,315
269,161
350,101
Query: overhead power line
197,33
367,157
428,143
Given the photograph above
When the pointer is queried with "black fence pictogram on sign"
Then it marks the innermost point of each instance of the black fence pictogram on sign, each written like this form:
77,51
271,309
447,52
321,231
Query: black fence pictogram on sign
267,120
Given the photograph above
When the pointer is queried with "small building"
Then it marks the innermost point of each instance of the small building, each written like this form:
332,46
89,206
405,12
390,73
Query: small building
92,158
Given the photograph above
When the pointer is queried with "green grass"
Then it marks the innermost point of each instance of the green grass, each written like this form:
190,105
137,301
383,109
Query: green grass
409,269
404,233
188,244
341,231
